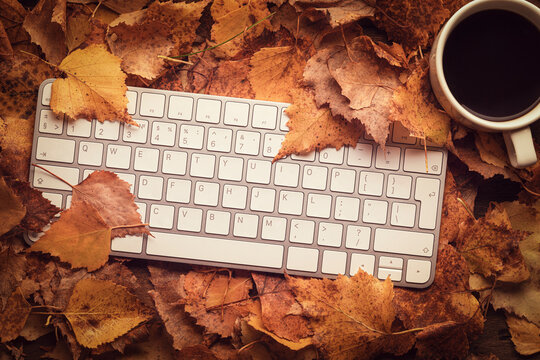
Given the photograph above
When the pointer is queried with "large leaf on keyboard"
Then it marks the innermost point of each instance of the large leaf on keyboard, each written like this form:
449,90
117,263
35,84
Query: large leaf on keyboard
413,104
80,237
351,317
12,210
99,311
312,128
94,87
111,197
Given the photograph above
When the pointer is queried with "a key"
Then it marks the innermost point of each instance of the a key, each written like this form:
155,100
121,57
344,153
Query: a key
136,134
161,216
333,262
107,130
411,242
264,117
284,120
347,208
146,159
303,259
318,205
388,158
90,153
217,222
362,261
314,177
262,199
42,179
129,178
189,219
395,275
202,165
50,123
46,95
191,137
178,190
332,156
174,162
118,156
234,196
302,231
399,186
418,271
290,202
55,199
163,133
52,149
258,171
219,140
371,183
131,243
400,135
208,111
286,174
152,105
206,193
390,262
150,187
310,156
236,113
330,234
357,237
360,155
272,144
230,168
247,142
342,180
273,228
403,214
245,225
79,128
427,192
132,102
374,211
180,108
415,161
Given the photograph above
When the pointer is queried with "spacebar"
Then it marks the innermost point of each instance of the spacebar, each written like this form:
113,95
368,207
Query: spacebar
215,249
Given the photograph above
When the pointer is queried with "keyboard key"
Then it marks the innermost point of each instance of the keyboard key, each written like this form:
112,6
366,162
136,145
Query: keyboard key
403,214
45,180
290,202
247,142
332,156
79,128
50,123
272,144
191,137
411,242
374,212
90,153
362,261
418,271
132,102
129,178
236,113
360,155
258,171
427,192
310,156
371,183
333,262
131,243
395,275
180,107
415,161
146,159
178,190
230,168
118,156
400,135
150,187
202,165
213,249
264,117
107,130
286,174
55,199
302,231
245,225
163,133
46,95
388,158
303,259
208,111
390,262
152,105
189,219
283,122
358,237
161,216
273,228
135,134
318,205
314,177
262,199
342,180
219,140
347,208
330,234
234,196
51,149
174,162
206,193
217,222
399,186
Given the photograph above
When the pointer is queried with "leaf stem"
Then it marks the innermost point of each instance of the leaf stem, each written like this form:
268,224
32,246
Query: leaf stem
45,61
128,226
53,174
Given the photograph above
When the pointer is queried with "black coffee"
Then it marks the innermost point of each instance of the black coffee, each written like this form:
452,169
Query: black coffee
491,63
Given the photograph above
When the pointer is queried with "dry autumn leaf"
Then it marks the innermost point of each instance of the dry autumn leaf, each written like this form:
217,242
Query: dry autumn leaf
13,316
6,51
94,88
100,311
12,210
338,13
12,271
525,335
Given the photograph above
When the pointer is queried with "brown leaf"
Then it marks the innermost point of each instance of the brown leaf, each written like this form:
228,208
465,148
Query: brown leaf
281,313
80,237
490,148
13,14
230,78
12,271
157,346
46,26
351,317
338,13
94,88
111,197
413,104
78,28
12,210
100,311
453,212
525,335
311,128
6,51
13,316
35,327
275,71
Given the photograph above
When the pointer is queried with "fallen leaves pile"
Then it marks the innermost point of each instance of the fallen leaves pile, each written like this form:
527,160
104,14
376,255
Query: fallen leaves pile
348,68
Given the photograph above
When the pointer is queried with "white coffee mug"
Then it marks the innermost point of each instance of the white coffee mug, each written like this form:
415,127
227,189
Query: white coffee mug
516,131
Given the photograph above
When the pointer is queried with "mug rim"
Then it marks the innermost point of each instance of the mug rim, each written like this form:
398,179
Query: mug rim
522,8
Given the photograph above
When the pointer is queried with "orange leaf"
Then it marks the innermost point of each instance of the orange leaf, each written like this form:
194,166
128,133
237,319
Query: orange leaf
13,316
12,211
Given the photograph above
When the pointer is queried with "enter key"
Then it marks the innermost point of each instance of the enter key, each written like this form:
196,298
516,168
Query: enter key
427,192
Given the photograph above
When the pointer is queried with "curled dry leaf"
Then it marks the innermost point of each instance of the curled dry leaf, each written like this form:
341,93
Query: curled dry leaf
338,13
13,316
311,128
525,335
490,148
12,210
99,311
94,88
351,317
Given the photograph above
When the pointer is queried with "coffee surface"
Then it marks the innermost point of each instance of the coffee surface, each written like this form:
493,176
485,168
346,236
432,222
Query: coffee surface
491,63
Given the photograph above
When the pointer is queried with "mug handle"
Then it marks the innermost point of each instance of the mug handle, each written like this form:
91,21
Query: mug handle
520,147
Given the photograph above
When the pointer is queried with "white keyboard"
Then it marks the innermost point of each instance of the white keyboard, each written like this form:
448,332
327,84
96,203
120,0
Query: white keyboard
201,170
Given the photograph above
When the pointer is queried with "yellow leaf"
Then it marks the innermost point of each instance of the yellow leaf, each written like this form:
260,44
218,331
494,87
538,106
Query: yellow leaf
94,88
525,335
99,311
